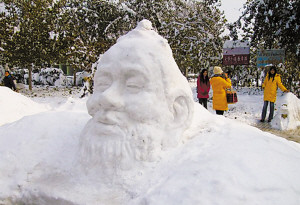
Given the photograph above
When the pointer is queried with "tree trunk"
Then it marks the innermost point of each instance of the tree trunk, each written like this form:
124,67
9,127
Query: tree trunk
30,78
74,77
257,78
186,72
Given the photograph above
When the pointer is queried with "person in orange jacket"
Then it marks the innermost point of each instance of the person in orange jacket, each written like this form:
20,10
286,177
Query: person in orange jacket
219,82
270,84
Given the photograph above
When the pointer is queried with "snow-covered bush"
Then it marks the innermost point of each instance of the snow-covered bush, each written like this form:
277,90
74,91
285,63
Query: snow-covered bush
52,76
21,75
89,80
80,77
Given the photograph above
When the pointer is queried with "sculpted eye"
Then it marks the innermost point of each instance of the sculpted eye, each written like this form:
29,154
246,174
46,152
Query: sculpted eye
134,85
103,84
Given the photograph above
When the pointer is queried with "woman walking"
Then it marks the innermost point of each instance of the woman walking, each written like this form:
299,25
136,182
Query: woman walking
219,82
203,87
271,82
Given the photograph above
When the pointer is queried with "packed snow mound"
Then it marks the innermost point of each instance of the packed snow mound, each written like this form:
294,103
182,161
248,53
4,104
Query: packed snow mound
227,163
14,106
223,162
78,105
35,146
288,115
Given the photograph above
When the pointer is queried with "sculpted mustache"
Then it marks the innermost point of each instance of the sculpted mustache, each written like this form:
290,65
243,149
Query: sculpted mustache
109,117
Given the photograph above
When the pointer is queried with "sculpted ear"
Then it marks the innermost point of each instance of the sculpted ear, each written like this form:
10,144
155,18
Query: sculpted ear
182,110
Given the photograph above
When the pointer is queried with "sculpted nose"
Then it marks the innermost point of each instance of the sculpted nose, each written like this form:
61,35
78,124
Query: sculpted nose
111,98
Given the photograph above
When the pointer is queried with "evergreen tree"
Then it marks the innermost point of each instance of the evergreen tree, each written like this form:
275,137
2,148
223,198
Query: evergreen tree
31,43
89,28
76,32
192,29
195,32
6,30
272,24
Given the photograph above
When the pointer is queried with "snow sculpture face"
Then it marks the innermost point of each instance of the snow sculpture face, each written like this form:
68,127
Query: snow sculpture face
141,102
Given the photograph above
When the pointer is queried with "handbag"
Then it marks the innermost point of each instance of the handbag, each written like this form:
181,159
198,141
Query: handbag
231,96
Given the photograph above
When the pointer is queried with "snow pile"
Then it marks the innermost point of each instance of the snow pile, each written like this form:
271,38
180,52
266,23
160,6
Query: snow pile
227,163
34,147
288,115
14,106
222,162
73,104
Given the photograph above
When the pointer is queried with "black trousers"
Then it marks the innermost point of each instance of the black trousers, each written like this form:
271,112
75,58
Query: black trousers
264,110
203,101
220,112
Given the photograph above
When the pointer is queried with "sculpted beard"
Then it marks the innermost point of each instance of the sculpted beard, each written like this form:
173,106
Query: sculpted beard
114,147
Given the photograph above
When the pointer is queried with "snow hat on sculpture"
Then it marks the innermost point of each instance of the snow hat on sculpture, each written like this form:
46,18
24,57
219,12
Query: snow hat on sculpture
141,103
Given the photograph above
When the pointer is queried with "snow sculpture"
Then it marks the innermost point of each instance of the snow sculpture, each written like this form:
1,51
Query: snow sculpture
141,103
288,115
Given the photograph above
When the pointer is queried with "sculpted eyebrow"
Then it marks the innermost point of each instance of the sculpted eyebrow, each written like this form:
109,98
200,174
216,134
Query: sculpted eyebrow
135,72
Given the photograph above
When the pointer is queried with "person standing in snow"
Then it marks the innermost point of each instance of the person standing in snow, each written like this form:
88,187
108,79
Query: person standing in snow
9,81
270,84
203,87
219,82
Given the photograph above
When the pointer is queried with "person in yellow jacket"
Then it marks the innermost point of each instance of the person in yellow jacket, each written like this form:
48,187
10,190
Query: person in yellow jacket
270,84
219,82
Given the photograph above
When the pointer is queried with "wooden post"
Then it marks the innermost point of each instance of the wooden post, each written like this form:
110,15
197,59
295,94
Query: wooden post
257,78
30,77
74,76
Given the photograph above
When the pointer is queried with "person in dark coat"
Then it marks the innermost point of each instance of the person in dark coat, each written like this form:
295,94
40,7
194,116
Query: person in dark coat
9,81
203,87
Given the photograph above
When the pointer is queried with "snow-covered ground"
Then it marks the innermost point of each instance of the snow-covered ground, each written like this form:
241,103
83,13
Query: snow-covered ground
227,162
247,110
249,107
